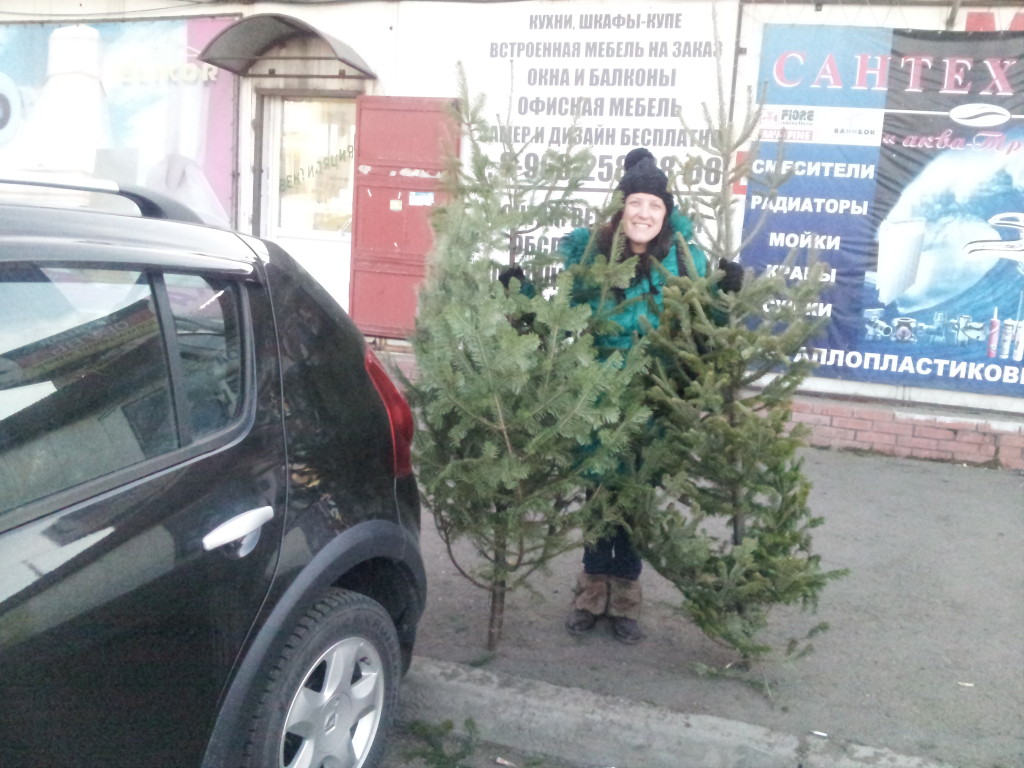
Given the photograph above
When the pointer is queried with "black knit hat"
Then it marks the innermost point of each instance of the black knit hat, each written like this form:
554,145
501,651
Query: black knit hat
643,175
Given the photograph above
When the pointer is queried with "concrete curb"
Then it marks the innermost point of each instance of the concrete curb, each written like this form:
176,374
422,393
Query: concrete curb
585,728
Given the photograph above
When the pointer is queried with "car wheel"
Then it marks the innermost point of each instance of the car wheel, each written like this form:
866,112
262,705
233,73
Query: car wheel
332,695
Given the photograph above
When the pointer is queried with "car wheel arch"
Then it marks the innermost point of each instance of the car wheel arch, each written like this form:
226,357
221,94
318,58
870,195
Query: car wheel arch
345,561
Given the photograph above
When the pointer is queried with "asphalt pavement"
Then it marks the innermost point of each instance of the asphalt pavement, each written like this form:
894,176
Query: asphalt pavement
923,664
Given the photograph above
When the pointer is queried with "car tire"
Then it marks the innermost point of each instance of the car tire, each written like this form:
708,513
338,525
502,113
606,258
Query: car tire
330,699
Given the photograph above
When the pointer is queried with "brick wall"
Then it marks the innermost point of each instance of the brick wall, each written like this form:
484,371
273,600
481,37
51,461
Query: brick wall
996,441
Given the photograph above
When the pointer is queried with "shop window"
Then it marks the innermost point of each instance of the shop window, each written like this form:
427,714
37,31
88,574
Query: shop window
316,165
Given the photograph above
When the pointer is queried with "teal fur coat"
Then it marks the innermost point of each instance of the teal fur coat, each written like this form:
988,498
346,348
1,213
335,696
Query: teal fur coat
637,308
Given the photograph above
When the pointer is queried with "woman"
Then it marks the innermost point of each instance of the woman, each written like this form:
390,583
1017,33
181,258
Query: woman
646,227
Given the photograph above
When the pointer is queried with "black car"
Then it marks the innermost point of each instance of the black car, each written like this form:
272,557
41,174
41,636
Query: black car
209,522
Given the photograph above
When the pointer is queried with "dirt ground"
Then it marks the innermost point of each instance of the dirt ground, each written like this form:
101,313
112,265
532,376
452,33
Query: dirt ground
926,641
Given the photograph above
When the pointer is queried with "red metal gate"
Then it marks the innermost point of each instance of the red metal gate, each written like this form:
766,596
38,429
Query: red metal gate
401,144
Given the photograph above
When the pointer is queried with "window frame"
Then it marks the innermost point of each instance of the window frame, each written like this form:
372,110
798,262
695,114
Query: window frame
241,279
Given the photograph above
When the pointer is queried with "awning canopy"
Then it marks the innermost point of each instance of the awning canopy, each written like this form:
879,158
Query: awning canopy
242,44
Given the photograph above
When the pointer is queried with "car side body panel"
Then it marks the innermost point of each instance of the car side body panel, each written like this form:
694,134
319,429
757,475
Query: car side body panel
349,524
128,620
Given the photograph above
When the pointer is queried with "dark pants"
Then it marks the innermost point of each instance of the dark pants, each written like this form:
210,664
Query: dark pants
614,555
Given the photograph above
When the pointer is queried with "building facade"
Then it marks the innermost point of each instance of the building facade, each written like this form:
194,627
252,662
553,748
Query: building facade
324,125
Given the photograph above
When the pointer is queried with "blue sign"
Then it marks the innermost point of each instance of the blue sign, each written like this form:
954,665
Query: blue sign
903,152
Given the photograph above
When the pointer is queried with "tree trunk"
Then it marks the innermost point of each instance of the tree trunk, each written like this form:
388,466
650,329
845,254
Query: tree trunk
739,520
499,583
497,618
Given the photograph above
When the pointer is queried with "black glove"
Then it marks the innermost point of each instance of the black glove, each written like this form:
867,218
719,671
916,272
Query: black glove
508,273
732,281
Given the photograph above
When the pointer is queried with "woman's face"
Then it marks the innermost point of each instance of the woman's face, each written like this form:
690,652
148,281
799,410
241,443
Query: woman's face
642,218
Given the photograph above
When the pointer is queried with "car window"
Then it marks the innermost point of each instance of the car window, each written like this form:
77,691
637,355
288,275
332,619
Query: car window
85,386
83,378
206,324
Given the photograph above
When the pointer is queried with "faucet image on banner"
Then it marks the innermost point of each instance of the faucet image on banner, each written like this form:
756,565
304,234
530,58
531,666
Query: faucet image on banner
1006,249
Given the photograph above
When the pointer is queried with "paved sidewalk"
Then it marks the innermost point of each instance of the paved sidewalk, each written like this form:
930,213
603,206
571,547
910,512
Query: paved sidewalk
922,665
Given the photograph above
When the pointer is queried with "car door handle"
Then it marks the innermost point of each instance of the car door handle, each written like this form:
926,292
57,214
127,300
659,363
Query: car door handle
243,529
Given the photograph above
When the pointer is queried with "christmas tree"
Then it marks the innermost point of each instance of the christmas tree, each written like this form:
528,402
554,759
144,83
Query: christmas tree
523,427
515,411
720,495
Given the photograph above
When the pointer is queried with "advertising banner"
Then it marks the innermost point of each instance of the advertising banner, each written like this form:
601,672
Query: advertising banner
904,156
125,101
606,76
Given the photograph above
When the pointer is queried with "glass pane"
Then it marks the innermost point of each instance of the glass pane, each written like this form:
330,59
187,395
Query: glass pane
317,162
206,320
84,388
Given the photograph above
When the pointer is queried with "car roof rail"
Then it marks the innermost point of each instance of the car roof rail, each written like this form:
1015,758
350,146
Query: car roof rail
151,205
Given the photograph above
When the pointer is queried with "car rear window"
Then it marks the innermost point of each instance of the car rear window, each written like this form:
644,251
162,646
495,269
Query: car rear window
86,372
206,328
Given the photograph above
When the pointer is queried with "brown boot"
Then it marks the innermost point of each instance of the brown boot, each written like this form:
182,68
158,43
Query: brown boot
590,600
627,630
625,598
580,621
